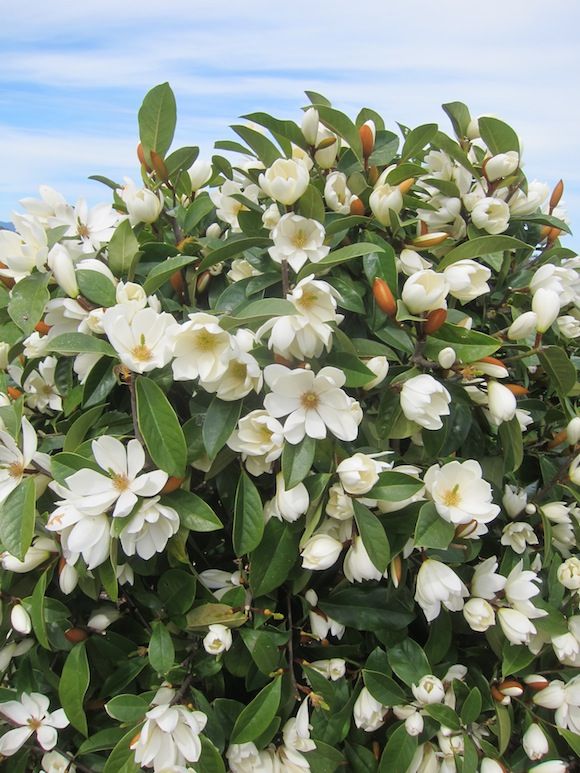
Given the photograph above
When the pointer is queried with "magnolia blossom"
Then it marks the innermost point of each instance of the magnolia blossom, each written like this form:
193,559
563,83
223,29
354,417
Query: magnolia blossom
519,588
546,307
523,327
288,504
522,203
460,494
491,215
368,713
143,205
201,349
39,552
359,473
501,165
88,228
339,504
31,715
81,533
479,614
259,438
242,376
41,391
568,326
385,199
149,529
429,690
297,240
569,573
565,698
313,403
501,402
142,339
467,279
518,536
320,552
14,462
379,365
320,624
333,669
514,500
200,173
218,639
438,584
327,147
410,261
517,628
293,335
285,181
564,280
424,400
296,736
336,193
358,566
425,290
170,736
227,207
24,250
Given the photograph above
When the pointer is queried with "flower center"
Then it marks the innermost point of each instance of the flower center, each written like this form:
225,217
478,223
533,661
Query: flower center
16,470
308,299
452,497
83,231
239,371
46,389
299,239
309,400
142,353
34,724
120,482
204,341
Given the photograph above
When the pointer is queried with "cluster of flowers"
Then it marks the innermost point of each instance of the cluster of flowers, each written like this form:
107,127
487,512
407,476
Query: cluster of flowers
293,351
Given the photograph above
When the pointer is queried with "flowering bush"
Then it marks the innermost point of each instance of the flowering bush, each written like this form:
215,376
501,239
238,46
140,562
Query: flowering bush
289,458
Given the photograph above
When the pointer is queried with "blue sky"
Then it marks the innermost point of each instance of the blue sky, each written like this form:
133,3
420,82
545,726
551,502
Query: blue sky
72,78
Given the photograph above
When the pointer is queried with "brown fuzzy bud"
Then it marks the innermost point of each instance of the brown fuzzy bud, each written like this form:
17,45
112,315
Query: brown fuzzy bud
159,166
367,139
536,681
373,175
384,297
406,185
510,688
492,361
141,157
427,240
172,484
434,320
14,393
499,697
76,635
42,328
560,437
396,570
357,207
176,281
517,389
556,195
553,235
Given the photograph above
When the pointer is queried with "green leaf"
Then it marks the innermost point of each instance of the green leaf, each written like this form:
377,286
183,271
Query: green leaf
100,382
399,751
103,740
181,159
356,372
373,536
336,257
122,755
408,661
176,589
459,116
201,206
162,272
444,715
258,714
17,515
385,148
37,603
481,245
287,130
121,251
161,652
515,659
80,343
510,435
79,428
340,124
297,461
559,368
248,517
210,760
233,248
469,345
497,135
266,151
157,119
263,648
417,139
96,287
220,421
368,609
279,540
311,204
383,688
127,708
504,727
194,513
258,311
431,530
394,487
572,739
73,684
160,428
324,758
361,759
471,708
27,301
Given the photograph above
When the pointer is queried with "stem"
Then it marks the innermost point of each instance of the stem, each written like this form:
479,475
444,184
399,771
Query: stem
285,278
136,430
523,355
291,648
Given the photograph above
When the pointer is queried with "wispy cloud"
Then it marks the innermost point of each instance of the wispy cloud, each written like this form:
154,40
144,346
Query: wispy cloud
73,77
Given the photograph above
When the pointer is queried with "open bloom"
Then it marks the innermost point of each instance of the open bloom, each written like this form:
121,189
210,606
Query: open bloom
13,461
491,214
142,339
298,239
313,403
260,440
425,290
32,715
429,690
368,713
149,529
202,349
467,279
438,584
218,639
516,626
336,193
285,181
424,400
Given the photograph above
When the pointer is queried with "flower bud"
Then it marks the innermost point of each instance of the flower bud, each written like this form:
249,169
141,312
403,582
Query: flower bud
219,639
569,573
199,173
536,681
358,474
516,626
159,165
309,126
574,471
141,157
479,614
20,619
384,297
535,742
514,500
379,365
414,724
357,207
491,215
63,270
285,180
435,319
510,687
406,185
396,570
505,700
368,713
556,195
491,766
425,291
573,431
385,199
501,165
429,690
102,618
546,306
447,357
326,150
321,551
501,402
429,240
75,635
367,137
550,766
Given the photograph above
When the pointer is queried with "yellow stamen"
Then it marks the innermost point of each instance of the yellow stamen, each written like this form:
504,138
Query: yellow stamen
16,470
205,341
452,497
309,400
299,239
121,482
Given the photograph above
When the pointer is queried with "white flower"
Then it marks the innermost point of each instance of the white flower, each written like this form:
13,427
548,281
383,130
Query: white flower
296,731
467,279
447,357
227,207
13,461
170,736
479,614
523,326
320,552
218,639
411,261
149,529
518,536
327,147
380,367
358,474
4,349
424,400
551,697
569,573
20,619
550,766
573,431
81,533
285,181
315,300
32,715
368,713
314,403
385,199
13,650
241,269
40,550
102,617
93,492
336,193
63,270
289,504
200,173
521,203
293,335
68,578
516,626
568,326
298,239
333,669
142,339
501,165
501,402
566,648
55,762
414,724
89,228
429,690
519,589
201,349
339,504
25,250
41,391
242,375
546,307
271,217
310,121
260,440
562,280
514,500
438,584
244,758
143,206
358,566
460,493
320,624
491,214
425,290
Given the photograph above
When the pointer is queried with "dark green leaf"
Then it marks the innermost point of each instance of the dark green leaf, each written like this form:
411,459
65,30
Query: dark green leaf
157,119
27,301
233,248
79,428
431,530
369,608
503,728
160,428
258,714
515,659
417,139
394,487
342,125
560,370
266,151
572,739
281,540
161,651
408,661
220,421
469,345
279,129
201,206
79,343
399,751
210,760
73,684
356,372
471,708
127,708
510,435
444,715
103,740
459,116
162,272
311,204
384,689
37,603
481,245
100,382
385,148
194,513
497,135
122,755
17,518
248,517
297,461
181,160
336,257
373,536
121,251
263,648
176,589
96,287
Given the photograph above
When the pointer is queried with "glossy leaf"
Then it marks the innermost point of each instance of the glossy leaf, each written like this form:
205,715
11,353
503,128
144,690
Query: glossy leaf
122,251
220,421
17,518
161,651
74,682
281,540
248,517
27,301
258,714
160,428
157,119
373,536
